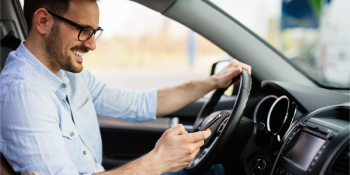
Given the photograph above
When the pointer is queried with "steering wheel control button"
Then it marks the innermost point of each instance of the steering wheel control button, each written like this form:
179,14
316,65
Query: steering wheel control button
202,154
72,134
222,126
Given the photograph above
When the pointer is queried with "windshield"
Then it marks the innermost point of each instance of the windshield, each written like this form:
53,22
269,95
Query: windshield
314,35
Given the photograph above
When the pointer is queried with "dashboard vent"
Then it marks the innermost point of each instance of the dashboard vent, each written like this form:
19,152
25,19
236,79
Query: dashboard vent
341,163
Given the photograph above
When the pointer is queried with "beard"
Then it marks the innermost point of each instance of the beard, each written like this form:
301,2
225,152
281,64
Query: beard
57,54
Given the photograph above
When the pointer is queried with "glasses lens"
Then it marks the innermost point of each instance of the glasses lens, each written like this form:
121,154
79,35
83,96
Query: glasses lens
85,34
98,34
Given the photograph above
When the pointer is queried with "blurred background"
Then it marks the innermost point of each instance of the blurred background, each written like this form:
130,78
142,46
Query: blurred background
142,49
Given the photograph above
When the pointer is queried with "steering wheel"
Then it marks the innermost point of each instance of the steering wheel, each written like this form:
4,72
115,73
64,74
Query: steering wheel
223,129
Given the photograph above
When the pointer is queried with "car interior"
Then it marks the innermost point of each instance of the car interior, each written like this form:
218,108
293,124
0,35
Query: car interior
278,120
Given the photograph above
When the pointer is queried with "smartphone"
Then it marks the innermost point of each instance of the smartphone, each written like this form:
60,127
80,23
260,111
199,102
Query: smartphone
212,121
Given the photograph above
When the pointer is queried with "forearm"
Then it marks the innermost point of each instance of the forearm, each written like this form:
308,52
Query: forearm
145,165
172,99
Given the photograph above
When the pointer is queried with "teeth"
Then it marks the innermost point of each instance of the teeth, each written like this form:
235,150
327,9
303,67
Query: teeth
78,53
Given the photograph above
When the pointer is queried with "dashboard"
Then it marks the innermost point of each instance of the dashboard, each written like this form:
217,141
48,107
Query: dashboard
308,126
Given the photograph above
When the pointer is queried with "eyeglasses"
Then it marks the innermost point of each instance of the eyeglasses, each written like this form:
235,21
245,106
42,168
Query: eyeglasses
85,32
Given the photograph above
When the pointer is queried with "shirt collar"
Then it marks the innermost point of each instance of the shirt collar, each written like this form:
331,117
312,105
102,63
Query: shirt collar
53,81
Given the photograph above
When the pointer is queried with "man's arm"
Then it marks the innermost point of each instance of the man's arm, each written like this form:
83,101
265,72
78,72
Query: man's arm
172,99
174,151
31,139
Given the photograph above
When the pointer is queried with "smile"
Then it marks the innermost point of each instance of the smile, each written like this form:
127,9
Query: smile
77,53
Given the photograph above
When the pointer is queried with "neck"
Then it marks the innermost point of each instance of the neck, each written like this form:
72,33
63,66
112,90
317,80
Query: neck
37,49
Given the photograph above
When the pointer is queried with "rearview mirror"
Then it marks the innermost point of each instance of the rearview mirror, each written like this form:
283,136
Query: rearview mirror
218,66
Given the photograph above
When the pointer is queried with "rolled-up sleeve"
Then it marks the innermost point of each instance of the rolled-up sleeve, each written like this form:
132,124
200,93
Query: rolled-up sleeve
31,138
125,104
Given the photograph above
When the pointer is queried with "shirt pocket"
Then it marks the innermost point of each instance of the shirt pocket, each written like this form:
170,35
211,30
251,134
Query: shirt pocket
84,102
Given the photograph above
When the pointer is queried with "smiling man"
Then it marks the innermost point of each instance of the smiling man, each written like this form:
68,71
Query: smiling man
49,103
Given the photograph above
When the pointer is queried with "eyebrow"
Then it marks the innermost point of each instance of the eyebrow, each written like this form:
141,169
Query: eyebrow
87,25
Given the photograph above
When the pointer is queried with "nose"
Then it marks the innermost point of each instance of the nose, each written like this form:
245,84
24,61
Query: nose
90,43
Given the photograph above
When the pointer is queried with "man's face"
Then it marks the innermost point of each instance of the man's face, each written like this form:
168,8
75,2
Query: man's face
62,45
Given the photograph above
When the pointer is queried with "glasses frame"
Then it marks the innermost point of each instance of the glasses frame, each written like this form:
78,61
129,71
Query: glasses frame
80,27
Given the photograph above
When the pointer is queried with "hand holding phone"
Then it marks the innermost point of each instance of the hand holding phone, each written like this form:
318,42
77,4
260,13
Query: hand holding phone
212,121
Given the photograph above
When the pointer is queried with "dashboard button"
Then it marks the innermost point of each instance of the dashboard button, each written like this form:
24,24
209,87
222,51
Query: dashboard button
330,135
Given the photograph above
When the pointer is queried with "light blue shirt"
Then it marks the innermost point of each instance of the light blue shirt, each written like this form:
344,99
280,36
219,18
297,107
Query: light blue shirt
37,130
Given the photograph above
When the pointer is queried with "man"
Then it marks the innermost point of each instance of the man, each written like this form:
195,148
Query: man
49,104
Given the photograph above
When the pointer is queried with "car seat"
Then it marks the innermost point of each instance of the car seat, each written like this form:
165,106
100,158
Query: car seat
5,167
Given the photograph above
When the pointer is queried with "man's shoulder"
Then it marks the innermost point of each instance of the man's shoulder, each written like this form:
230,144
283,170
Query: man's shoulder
18,73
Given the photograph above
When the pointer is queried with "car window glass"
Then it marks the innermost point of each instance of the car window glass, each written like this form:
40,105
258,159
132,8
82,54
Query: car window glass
313,35
141,49
9,40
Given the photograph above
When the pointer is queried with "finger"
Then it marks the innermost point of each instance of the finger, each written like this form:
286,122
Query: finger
198,136
195,152
246,67
237,81
198,144
236,63
176,130
234,73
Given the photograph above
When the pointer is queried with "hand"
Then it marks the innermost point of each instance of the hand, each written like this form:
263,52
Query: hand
177,148
224,77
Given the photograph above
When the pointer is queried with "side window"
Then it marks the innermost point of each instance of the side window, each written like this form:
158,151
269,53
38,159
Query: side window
9,39
141,49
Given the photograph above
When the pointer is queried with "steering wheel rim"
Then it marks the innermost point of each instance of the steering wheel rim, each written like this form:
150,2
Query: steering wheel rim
208,154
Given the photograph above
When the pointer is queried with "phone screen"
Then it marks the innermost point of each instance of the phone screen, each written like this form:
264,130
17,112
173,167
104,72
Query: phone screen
212,121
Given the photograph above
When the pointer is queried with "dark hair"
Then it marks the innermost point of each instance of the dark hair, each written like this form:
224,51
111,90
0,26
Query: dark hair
59,7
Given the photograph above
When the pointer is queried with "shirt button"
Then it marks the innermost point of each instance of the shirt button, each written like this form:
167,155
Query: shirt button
63,85
72,134
84,152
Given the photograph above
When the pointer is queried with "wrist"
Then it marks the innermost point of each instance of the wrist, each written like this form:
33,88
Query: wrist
212,82
154,162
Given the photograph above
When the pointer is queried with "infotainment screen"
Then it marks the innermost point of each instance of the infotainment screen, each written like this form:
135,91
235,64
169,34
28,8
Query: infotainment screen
305,149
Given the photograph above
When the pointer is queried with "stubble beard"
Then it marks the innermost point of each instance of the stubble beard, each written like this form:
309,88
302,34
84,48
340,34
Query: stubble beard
56,53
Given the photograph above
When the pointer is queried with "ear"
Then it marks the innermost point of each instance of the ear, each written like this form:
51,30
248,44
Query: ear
43,21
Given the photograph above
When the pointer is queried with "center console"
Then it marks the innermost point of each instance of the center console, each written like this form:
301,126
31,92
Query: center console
303,149
310,146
